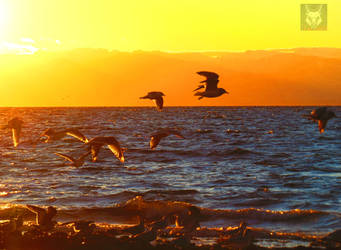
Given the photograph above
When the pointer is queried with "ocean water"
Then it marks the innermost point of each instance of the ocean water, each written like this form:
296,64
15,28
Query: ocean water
268,166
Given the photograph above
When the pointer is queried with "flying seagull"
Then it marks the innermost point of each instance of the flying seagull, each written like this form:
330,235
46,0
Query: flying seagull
15,125
156,137
53,135
157,97
74,162
321,115
211,83
96,144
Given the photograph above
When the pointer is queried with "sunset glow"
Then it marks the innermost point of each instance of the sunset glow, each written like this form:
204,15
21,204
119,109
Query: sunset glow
37,27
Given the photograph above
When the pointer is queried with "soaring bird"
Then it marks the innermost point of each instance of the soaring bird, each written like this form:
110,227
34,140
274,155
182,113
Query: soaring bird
211,82
96,143
156,137
321,115
53,135
15,125
44,216
74,162
157,97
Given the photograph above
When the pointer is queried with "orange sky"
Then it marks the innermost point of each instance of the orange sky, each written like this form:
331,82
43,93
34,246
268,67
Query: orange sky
37,34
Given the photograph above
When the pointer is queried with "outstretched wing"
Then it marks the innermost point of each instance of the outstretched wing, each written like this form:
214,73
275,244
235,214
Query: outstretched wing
153,95
69,158
117,151
154,141
159,103
322,125
177,134
209,74
77,134
16,136
211,80
199,87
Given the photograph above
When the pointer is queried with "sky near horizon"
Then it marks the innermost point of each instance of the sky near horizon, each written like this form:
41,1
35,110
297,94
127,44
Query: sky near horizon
177,25
30,26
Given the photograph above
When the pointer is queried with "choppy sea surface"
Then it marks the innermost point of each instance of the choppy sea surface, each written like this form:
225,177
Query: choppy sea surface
268,166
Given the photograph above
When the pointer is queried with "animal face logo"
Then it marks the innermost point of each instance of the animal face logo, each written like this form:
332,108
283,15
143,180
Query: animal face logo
313,16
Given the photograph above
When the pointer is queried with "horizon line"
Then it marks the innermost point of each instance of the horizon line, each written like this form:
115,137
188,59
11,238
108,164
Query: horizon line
176,106
41,50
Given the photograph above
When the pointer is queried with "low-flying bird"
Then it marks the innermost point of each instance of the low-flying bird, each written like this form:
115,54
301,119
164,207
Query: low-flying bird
321,115
96,144
157,97
15,125
211,83
53,135
156,137
44,216
74,162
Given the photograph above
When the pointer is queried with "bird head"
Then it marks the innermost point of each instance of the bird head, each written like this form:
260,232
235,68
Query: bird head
222,91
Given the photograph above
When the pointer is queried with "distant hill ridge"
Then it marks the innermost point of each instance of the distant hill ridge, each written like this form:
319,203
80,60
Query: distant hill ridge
97,77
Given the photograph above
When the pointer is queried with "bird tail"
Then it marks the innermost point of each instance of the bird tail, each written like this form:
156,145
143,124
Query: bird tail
199,94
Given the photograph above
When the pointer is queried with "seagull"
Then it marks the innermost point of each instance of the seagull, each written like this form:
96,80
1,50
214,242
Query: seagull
53,135
156,137
15,125
74,162
211,85
96,143
44,216
157,97
321,115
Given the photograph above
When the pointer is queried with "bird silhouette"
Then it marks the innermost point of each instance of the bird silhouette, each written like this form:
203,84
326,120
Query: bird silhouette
162,133
53,135
74,162
211,83
157,97
15,125
96,144
321,115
